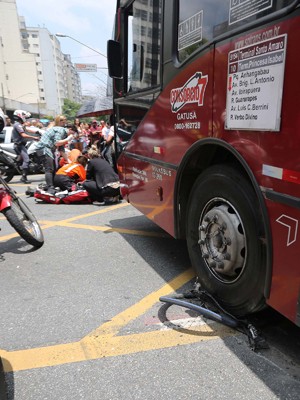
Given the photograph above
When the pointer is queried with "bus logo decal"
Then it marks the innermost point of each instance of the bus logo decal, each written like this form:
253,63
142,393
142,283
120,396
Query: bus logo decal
191,92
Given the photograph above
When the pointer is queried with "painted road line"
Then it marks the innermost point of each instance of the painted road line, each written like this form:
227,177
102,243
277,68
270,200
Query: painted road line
50,224
108,229
68,223
107,346
116,323
104,341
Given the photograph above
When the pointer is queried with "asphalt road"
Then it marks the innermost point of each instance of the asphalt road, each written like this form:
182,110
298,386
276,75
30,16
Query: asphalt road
80,318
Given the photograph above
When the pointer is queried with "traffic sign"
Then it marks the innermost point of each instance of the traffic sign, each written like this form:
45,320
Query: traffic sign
86,67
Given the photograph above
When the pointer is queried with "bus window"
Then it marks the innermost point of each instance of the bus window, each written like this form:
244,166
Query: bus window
144,32
196,23
203,21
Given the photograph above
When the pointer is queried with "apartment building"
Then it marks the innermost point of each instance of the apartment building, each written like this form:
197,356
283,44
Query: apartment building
33,70
72,80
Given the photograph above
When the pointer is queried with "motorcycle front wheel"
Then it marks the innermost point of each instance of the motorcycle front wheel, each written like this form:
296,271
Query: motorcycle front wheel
24,222
7,172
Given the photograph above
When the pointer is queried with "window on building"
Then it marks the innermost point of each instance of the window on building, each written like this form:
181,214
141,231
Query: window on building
143,51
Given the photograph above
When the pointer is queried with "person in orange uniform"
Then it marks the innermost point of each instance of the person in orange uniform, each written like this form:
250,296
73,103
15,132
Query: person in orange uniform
70,174
71,157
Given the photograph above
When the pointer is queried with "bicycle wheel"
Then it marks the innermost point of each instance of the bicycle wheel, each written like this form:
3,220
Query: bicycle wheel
24,222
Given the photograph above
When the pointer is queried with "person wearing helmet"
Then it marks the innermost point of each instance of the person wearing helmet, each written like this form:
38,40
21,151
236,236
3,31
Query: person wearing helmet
2,120
19,137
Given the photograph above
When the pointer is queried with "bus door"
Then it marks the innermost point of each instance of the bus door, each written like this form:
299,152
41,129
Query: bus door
163,103
137,91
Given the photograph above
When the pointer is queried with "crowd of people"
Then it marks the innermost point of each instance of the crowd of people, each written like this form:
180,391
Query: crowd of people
71,153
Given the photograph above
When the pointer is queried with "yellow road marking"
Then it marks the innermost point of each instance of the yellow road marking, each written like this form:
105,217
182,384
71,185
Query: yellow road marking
111,327
50,224
110,229
104,342
106,347
67,223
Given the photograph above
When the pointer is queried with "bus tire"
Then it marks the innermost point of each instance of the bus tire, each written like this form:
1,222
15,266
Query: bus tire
224,238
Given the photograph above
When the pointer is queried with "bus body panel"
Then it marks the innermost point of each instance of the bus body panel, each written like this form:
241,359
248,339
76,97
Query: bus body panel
172,123
159,137
279,150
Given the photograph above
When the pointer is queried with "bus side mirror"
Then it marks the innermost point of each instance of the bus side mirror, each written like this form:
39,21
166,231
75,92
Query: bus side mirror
114,59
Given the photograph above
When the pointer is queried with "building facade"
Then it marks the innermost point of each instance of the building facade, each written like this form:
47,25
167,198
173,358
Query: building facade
34,73
72,80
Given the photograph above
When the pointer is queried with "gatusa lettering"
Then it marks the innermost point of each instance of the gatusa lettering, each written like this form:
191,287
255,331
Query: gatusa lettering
191,92
187,115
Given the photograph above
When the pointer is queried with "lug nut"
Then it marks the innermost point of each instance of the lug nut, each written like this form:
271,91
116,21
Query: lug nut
221,265
227,241
223,226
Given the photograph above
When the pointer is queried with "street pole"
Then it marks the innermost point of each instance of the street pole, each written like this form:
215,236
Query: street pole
3,98
85,45
38,105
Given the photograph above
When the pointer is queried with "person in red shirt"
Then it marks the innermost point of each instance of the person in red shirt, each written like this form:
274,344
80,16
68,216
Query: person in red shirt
70,174
95,132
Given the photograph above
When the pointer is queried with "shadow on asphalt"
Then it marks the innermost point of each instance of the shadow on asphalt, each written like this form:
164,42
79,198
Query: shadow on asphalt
169,257
6,382
15,245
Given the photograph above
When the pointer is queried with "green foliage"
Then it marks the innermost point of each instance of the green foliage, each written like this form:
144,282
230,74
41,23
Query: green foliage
70,109
50,117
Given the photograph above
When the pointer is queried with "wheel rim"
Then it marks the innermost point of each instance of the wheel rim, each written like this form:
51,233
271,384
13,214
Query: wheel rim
222,240
30,226
5,172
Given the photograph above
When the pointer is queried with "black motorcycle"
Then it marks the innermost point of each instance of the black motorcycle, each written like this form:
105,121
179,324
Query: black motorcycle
10,162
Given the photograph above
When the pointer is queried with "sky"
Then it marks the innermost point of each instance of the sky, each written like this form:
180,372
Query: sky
89,21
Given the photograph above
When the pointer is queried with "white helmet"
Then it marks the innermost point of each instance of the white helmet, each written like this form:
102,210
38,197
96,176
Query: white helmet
2,120
21,115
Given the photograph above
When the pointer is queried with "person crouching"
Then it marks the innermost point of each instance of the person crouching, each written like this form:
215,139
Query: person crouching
102,182
68,175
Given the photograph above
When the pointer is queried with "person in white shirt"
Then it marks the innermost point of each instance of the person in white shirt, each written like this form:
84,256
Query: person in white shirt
108,138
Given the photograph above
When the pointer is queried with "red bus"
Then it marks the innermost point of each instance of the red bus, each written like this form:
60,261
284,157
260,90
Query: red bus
207,122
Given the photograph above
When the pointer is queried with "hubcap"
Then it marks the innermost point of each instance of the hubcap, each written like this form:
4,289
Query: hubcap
29,226
222,240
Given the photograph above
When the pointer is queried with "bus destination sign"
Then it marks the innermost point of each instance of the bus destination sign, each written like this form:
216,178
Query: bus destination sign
255,85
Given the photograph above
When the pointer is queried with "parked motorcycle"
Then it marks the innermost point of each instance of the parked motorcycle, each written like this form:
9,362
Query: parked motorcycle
10,164
19,216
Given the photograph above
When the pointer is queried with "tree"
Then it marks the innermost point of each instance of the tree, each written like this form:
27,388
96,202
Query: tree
70,109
